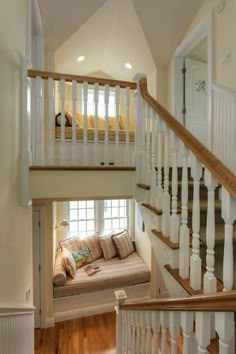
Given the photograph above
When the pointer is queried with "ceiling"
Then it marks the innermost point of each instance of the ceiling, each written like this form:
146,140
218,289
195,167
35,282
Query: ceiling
111,32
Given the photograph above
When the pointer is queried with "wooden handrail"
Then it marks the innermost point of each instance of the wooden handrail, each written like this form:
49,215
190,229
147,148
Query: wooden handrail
223,301
80,79
222,173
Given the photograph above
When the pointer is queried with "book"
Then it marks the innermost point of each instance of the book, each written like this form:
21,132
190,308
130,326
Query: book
91,269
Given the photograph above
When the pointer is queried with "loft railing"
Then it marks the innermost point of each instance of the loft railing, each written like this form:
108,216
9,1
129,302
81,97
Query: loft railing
176,325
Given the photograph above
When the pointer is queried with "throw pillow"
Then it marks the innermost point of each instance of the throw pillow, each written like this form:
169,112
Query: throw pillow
59,274
68,119
72,243
93,245
108,247
123,244
82,257
68,262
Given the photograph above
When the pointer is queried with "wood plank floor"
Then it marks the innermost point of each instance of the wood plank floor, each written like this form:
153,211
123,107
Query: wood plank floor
87,335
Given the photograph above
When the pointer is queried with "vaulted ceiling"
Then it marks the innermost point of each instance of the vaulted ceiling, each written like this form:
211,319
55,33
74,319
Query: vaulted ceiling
111,32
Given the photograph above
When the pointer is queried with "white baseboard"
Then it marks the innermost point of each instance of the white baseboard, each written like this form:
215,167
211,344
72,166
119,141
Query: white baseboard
89,311
49,322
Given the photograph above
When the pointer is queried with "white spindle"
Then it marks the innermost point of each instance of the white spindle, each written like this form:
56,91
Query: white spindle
63,121
138,143
159,197
39,155
143,331
74,141
133,324
229,215
224,323
121,321
148,334
51,122
95,98
196,263
166,195
155,329
129,331
106,125
203,331
174,328
138,329
127,118
147,152
209,276
184,230
187,326
85,124
117,128
153,190
174,219
164,325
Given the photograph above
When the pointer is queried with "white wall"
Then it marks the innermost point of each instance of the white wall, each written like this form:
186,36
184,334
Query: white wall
16,221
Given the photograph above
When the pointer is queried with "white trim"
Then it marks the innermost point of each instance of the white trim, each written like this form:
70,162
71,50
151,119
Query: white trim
15,308
49,322
201,31
224,90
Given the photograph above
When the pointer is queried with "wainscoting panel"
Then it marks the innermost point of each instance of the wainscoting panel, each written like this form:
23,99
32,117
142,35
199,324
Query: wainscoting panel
17,332
224,126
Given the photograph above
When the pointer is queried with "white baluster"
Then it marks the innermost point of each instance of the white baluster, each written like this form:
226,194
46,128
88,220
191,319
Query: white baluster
138,329
184,230
133,340
229,215
203,331
209,276
143,331
51,122
127,117
106,125
166,195
74,141
95,98
164,325
143,142
138,143
159,197
118,158
63,122
125,332
153,190
121,320
155,329
148,334
85,124
195,262
147,169
174,328
39,154
187,326
129,331
226,330
174,219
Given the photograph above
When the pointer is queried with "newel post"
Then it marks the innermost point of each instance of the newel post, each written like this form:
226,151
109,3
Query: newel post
120,299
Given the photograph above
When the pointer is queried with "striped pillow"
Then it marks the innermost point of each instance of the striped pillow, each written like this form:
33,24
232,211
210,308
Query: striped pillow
68,262
93,244
108,247
72,243
123,244
59,274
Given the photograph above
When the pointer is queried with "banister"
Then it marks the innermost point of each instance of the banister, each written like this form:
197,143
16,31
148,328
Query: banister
209,160
80,79
222,301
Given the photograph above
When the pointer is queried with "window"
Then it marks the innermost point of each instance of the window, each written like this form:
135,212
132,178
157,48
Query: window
101,105
89,216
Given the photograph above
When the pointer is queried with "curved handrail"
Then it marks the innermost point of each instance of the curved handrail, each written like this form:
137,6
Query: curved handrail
209,160
80,79
222,301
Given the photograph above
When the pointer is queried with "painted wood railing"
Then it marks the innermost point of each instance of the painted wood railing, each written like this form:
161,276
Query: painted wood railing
176,325
79,120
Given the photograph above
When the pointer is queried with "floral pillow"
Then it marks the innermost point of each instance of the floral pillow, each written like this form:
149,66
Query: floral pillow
82,257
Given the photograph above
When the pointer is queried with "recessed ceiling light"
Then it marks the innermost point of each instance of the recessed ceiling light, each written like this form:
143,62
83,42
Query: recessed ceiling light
80,58
128,66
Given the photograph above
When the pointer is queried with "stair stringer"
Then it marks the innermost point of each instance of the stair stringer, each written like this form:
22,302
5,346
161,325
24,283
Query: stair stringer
164,255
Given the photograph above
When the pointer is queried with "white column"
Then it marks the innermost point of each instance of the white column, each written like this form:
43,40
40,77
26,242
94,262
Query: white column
209,276
118,157
174,219
155,329
62,137
51,122
224,323
228,208
120,320
85,124
184,230
195,262
153,186
187,326
74,151
166,195
95,99
203,331
174,328
39,131
106,125
127,110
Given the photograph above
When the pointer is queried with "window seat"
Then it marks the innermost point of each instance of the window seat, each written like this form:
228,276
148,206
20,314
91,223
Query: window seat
114,274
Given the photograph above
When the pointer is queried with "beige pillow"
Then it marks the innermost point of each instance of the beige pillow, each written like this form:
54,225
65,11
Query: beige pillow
68,262
93,244
108,247
59,274
123,244
72,243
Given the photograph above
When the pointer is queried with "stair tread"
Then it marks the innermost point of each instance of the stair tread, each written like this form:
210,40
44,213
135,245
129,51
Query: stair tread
143,186
166,240
185,283
153,209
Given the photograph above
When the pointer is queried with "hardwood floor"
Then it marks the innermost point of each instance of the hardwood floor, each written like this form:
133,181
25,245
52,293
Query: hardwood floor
87,335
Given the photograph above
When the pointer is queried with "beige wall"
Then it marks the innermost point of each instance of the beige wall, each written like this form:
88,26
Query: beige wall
16,228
